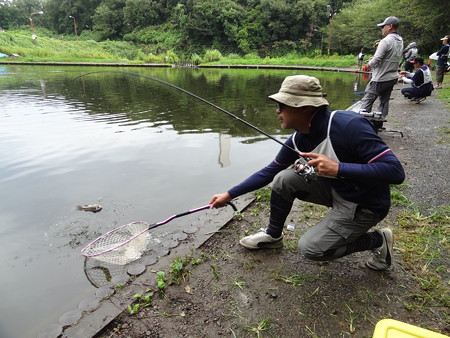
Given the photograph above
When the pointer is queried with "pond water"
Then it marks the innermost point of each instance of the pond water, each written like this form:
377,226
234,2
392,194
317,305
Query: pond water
141,149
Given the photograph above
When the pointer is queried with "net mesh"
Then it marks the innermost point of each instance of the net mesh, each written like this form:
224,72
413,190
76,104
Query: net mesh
101,273
114,247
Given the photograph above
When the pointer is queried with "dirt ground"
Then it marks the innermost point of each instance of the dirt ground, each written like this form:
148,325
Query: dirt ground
234,292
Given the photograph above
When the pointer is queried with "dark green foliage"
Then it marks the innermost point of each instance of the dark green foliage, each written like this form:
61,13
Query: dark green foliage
422,21
11,17
261,27
139,14
427,21
57,12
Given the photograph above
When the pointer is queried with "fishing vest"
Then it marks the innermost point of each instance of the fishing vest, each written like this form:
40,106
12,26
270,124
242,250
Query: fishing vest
426,76
325,147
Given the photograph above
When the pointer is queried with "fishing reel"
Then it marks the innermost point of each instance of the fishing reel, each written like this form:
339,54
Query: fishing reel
375,115
376,118
304,170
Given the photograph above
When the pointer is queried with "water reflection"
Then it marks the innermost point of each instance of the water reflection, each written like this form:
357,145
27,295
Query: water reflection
142,149
224,149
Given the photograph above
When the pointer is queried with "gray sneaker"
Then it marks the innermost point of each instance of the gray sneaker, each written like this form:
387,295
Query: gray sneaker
261,240
382,256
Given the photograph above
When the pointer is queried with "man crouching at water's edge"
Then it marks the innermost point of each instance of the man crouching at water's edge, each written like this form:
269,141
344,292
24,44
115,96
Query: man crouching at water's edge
353,167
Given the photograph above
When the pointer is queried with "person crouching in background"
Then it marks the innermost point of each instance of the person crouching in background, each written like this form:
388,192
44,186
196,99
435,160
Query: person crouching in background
421,81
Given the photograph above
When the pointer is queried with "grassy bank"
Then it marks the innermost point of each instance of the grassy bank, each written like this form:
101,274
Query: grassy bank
317,60
49,48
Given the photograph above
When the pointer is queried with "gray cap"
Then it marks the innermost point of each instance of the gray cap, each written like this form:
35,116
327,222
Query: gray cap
390,20
300,91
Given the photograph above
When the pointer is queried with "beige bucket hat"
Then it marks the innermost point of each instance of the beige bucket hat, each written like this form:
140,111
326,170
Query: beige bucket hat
300,91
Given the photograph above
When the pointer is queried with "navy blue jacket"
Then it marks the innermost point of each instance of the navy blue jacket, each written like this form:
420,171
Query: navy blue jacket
442,55
367,166
420,87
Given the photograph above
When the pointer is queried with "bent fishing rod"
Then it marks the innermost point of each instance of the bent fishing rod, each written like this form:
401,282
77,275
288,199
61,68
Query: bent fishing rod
301,168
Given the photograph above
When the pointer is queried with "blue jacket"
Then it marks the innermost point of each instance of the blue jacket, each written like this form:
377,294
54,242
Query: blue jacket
421,82
442,55
367,166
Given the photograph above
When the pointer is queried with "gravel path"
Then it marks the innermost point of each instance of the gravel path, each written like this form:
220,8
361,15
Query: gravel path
424,147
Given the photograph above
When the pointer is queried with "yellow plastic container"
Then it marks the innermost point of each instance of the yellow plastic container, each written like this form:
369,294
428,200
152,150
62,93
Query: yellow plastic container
390,328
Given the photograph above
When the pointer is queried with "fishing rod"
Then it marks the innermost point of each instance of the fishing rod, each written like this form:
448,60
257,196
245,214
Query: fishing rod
301,168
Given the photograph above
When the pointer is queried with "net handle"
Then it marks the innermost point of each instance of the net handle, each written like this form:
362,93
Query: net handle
208,206
86,249
179,215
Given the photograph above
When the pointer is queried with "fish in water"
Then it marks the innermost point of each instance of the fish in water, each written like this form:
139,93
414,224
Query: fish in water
90,207
108,276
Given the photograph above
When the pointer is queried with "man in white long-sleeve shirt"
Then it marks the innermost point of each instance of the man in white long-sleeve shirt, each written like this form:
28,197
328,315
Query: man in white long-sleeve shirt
384,65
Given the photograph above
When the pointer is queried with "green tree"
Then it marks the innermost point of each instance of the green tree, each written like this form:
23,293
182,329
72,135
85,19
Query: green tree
10,16
355,26
108,20
17,13
207,24
57,13
28,6
422,21
143,13
427,21
231,18
282,26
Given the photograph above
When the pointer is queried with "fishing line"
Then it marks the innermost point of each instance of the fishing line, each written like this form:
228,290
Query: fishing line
198,98
302,169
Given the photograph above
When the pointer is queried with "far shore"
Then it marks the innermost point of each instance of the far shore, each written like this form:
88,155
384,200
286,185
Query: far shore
143,65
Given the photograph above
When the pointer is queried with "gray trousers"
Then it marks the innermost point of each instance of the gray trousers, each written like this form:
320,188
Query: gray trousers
381,90
344,223
440,73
